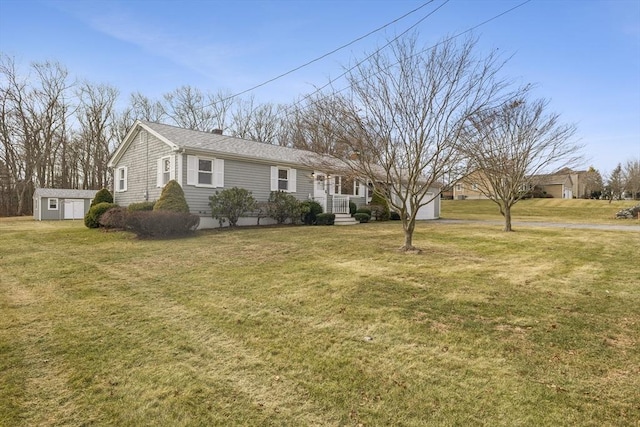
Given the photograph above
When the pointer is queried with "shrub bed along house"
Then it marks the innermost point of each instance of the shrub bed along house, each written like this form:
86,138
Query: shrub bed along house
114,218
161,223
92,217
362,217
142,206
325,219
310,211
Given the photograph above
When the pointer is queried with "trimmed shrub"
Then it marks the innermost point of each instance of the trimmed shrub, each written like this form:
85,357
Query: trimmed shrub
161,223
352,208
114,218
310,209
394,216
172,199
92,217
325,219
230,204
142,206
362,217
102,196
379,207
282,207
364,210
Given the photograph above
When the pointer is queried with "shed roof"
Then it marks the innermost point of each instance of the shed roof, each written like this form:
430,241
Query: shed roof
64,193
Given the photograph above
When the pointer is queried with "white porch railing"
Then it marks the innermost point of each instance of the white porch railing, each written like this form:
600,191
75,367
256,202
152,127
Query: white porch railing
340,204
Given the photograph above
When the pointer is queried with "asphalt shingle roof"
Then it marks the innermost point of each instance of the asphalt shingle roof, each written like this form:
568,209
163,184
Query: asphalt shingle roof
224,144
64,193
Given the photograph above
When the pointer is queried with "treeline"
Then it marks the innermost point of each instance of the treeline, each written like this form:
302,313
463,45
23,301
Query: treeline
58,131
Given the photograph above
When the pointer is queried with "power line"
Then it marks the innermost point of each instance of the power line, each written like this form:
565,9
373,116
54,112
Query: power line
331,81
468,30
323,56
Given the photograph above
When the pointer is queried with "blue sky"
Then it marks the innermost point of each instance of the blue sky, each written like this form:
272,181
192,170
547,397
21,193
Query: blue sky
584,55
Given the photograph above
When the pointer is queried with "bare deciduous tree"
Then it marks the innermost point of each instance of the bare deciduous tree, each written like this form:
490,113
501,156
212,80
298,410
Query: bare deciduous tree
96,118
258,122
35,111
188,107
632,178
404,113
510,146
143,108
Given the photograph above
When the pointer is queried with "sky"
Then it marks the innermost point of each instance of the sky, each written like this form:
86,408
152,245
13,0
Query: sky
582,55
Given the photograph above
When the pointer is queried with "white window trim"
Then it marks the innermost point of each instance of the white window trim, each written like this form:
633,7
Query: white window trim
193,171
49,200
160,170
124,180
291,179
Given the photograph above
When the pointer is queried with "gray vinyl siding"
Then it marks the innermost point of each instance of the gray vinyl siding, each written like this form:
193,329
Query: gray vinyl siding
57,214
142,169
252,176
47,214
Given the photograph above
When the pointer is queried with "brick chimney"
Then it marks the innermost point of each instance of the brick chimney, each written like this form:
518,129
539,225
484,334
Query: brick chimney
216,131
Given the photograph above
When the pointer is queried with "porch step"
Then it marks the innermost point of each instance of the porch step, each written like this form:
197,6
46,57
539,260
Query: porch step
345,219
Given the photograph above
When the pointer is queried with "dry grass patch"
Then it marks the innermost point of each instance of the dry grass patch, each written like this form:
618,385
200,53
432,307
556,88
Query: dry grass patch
318,326
552,210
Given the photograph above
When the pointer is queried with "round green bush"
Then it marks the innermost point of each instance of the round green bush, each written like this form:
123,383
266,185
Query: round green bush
362,217
102,196
142,206
92,217
310,210
172,199
352,208
325,219
364,210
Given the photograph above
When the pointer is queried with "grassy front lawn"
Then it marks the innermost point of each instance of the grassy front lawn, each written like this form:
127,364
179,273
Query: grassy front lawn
319,326
554,210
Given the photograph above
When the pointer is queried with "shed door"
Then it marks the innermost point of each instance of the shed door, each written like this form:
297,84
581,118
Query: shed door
73,209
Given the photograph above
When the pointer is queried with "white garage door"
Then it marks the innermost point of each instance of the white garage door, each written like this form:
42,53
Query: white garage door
73,209
427,211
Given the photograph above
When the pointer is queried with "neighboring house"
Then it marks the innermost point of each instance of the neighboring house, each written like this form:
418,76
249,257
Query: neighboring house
563,184
469,187
58,204
557,185
151,154
578,181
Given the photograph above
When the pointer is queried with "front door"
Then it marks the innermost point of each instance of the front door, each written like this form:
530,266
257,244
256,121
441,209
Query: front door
320,190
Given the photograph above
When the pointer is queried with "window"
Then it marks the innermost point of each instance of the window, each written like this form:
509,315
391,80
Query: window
121,179
166,170
53,204
283,179
458,187
358,188
205,172
474,186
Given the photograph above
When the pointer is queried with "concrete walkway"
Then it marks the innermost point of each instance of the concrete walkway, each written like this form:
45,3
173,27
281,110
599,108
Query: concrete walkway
516,224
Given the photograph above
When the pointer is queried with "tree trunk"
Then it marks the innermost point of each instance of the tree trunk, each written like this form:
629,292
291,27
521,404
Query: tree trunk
409,226
507,218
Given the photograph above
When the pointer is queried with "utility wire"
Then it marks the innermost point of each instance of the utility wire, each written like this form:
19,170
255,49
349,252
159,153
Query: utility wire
468,30
321,57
